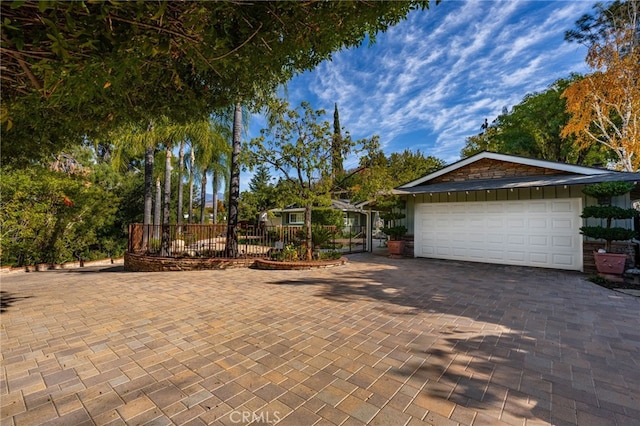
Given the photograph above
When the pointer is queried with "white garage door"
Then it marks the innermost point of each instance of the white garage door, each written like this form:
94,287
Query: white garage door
543,233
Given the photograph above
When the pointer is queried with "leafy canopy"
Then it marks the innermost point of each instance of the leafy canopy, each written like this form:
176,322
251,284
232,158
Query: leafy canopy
72,69
605,105
533,129
378,174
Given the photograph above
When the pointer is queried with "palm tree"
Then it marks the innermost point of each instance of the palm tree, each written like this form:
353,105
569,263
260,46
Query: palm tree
231,246
157,220
131,140
192,161
210,154
180,182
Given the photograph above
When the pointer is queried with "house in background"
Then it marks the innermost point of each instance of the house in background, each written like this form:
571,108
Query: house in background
354,215
509,210
357,218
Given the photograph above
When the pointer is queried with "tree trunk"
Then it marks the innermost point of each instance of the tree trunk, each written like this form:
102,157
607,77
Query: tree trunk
148,193
203,197
180,185
214,184
192,161
307,228
157,217
167,188
167,203
231,247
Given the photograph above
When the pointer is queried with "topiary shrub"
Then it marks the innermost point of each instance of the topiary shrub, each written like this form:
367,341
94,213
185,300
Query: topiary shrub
604,192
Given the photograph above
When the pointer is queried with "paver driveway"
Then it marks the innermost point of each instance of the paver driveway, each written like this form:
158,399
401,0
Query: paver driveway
378,341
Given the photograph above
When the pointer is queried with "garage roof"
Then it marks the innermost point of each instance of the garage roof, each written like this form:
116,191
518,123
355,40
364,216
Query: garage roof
518,182
573,175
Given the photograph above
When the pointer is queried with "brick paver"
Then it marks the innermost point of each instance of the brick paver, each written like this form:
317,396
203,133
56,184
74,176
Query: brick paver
378,341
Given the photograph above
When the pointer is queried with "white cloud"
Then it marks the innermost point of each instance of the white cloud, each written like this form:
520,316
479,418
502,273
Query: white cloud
443,71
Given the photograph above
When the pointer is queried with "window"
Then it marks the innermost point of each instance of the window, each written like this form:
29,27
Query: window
351,220
296,218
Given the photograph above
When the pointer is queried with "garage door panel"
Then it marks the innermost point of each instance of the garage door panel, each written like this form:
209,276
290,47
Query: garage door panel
515,222
443,251
475,237
427,251
562,259
476,253
534,232
538,223
495,254
562,241
493,223
516,256
493,208
539,240
495,238
561,206
539,258
513,207
458,251
537,207
559,224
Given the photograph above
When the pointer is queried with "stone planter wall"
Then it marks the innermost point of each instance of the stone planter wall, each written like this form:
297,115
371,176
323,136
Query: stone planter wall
68,265
286,266
141,263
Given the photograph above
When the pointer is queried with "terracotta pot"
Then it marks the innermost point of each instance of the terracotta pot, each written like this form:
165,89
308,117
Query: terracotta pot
396,247
610,263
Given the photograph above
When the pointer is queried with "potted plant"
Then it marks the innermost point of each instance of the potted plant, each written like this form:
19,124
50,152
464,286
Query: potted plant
606,261
395,243
394,231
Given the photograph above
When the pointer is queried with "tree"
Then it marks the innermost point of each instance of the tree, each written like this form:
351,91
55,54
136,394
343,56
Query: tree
72,69
211,151
605,105
50,216
231,246
336,145
133,138
179,214
261,194
408,165
378,174
298,146
486,140
533,129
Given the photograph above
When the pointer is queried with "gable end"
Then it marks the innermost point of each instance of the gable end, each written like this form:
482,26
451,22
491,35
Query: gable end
487,168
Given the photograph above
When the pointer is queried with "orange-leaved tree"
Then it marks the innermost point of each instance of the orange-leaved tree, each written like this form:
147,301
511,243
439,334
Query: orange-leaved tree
605,105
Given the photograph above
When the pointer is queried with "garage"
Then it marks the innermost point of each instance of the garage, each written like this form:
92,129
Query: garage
541,233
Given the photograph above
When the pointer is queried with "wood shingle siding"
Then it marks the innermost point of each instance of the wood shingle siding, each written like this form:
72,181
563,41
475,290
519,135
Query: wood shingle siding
493,169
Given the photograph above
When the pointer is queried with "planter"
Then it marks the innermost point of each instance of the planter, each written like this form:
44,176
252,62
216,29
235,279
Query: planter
298,265
396,247
610,263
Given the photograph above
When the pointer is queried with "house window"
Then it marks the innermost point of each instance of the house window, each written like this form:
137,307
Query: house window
351,220
296,218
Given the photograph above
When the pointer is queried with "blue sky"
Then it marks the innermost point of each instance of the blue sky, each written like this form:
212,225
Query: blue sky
429,82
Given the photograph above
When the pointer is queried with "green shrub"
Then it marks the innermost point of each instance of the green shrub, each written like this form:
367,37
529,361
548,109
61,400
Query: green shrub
320,236
327,216
329,255
608,189
604,191
154,245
